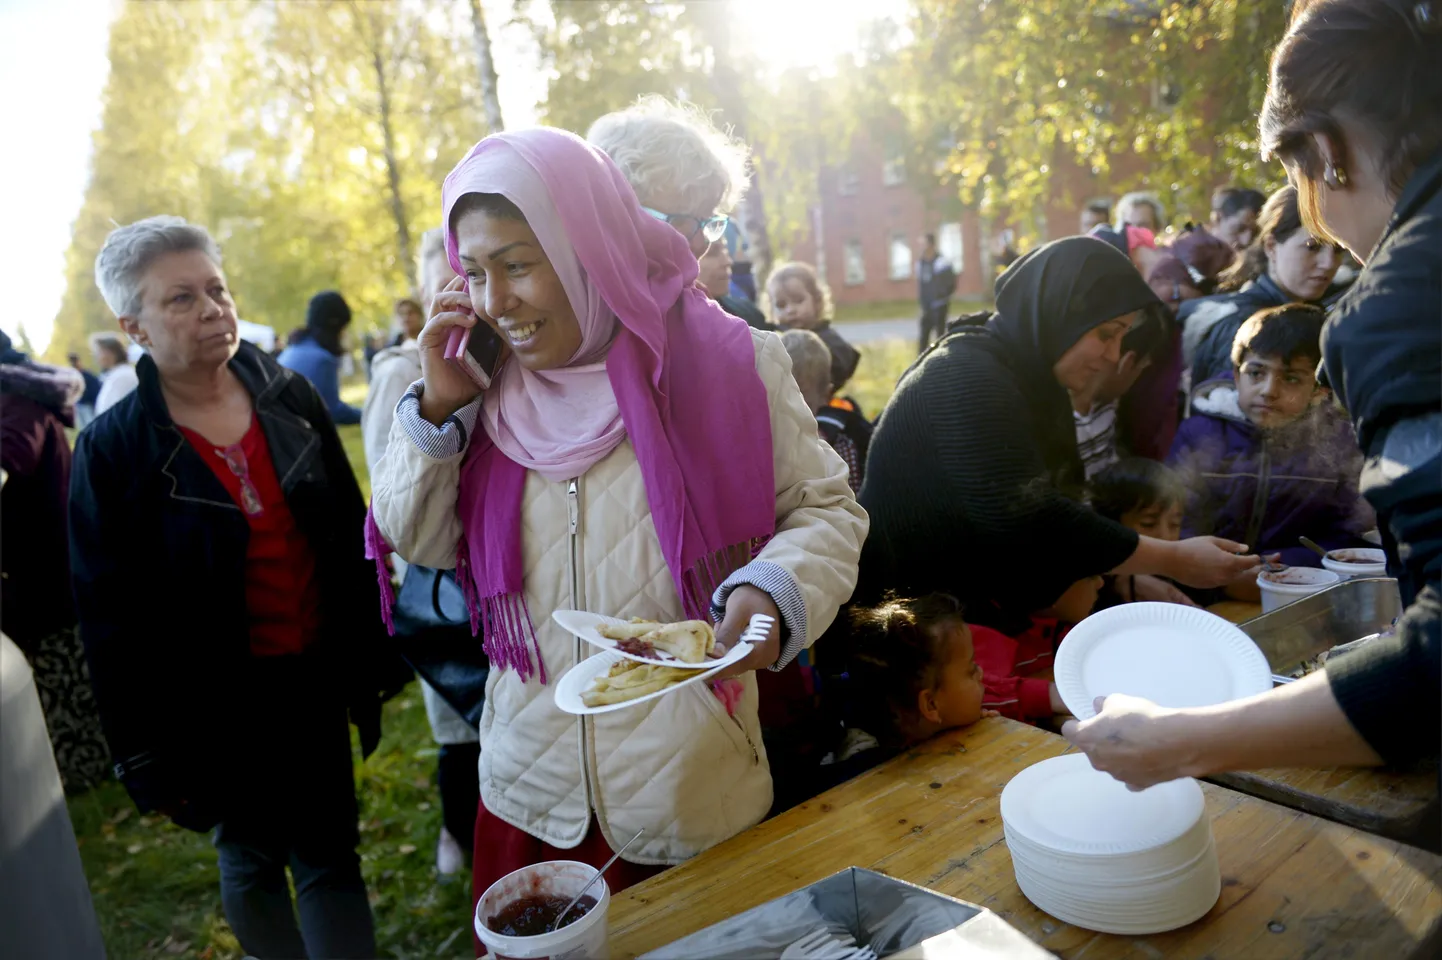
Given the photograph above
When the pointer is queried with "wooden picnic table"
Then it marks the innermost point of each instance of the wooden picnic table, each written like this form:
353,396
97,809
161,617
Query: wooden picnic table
1293,885
1392,803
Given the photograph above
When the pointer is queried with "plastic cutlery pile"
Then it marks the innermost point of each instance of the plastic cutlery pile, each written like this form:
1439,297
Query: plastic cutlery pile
822,945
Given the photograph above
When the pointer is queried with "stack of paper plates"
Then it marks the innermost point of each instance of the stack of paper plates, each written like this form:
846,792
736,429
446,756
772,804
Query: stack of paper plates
1092,853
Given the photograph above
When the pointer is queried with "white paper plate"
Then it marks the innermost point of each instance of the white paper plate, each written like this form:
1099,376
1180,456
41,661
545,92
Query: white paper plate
1173,655
577,679
585,625
1064,804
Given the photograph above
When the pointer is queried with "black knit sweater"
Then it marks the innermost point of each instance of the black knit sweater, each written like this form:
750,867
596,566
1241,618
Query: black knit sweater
973,479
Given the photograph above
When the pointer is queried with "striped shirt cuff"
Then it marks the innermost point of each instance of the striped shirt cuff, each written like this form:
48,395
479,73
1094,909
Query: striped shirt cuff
778,583
436,442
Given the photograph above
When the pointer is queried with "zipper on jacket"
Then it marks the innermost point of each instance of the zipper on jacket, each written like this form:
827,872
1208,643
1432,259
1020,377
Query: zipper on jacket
573,516
573,564
1259,501
755,754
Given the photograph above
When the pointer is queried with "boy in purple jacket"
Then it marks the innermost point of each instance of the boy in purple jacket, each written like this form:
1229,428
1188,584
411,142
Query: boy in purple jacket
1266,456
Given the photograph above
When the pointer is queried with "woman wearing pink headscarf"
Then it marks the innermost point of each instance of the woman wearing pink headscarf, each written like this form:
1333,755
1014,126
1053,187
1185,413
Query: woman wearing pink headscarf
640,453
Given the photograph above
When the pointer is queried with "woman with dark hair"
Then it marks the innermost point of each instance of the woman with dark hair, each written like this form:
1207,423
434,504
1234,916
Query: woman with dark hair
1286,263
974,483
1354,112
315,352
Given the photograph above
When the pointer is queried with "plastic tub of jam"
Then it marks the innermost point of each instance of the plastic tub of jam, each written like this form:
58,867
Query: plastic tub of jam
1356,562
515,913
1282,587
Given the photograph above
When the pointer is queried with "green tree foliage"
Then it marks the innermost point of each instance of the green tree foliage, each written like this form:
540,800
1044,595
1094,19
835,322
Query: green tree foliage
1161,95
266,123
604,54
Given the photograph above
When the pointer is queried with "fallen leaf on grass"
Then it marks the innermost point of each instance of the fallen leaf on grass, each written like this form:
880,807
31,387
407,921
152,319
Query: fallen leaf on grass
134,848
407,849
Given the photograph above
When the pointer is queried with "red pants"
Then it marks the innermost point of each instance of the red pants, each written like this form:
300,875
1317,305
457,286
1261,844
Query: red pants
502,849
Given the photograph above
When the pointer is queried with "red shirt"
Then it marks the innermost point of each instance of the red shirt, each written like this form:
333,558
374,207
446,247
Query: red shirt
282,597
1005,665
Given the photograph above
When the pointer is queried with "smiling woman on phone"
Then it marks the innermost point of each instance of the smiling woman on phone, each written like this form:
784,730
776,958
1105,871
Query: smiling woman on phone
638,453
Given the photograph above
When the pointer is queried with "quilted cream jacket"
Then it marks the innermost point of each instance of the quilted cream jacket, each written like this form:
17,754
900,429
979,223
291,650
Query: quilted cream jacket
677,767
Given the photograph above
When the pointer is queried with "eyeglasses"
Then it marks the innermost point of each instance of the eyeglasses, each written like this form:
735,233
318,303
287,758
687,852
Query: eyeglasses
712,228
234,458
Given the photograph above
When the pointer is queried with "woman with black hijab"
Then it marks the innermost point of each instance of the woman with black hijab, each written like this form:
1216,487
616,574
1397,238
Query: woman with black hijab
973,481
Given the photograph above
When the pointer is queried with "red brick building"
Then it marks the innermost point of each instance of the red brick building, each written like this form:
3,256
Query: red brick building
870,221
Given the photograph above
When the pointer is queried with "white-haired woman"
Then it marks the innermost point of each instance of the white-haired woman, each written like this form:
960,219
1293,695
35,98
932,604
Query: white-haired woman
684,170
219,491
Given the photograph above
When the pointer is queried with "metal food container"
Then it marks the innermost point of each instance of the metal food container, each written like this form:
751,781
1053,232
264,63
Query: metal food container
1352,612
896,919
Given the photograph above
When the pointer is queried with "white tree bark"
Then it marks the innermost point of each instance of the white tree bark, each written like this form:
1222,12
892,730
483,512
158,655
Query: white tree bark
486,68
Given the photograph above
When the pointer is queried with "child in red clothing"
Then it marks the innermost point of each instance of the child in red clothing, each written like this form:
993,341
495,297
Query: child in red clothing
1007,662
918,668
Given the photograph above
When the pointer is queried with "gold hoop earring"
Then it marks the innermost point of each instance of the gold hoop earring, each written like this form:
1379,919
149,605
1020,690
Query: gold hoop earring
1335,177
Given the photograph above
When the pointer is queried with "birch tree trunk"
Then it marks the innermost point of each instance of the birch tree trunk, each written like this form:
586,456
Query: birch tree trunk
393,173
486,67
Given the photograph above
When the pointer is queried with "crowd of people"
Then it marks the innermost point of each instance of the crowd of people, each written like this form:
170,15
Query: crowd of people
1146,414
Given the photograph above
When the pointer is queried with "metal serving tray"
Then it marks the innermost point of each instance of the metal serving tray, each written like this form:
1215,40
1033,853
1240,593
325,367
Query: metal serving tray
898,920
1353,610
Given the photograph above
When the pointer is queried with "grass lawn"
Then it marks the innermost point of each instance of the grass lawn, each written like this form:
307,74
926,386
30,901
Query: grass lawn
879,310
892,309
882,364
156,888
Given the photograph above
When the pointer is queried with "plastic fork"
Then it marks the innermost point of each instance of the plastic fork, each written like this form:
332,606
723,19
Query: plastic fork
821,945
758,629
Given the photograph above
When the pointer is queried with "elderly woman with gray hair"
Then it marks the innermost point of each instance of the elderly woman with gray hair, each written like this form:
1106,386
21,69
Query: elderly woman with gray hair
691,175
220,491
684,171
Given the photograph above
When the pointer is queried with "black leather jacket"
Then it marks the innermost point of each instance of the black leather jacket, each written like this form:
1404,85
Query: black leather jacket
158,567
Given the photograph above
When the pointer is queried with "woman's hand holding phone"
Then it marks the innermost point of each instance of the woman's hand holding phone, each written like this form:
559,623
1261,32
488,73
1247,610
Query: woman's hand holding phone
447,388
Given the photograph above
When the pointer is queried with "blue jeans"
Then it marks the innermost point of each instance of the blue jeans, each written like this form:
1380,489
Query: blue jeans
335,916
291,803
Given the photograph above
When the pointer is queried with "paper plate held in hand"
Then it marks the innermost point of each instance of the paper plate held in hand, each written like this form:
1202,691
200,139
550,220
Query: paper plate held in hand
579,679
587,627
1173,655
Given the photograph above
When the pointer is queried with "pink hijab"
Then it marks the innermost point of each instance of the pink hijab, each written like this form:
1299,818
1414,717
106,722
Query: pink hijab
658,362
557,422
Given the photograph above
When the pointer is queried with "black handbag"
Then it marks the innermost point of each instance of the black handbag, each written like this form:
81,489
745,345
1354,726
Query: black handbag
431,618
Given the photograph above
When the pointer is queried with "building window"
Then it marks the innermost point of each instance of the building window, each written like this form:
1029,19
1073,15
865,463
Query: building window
948,244
900,257
855,264
847,181
893,171
1166,94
